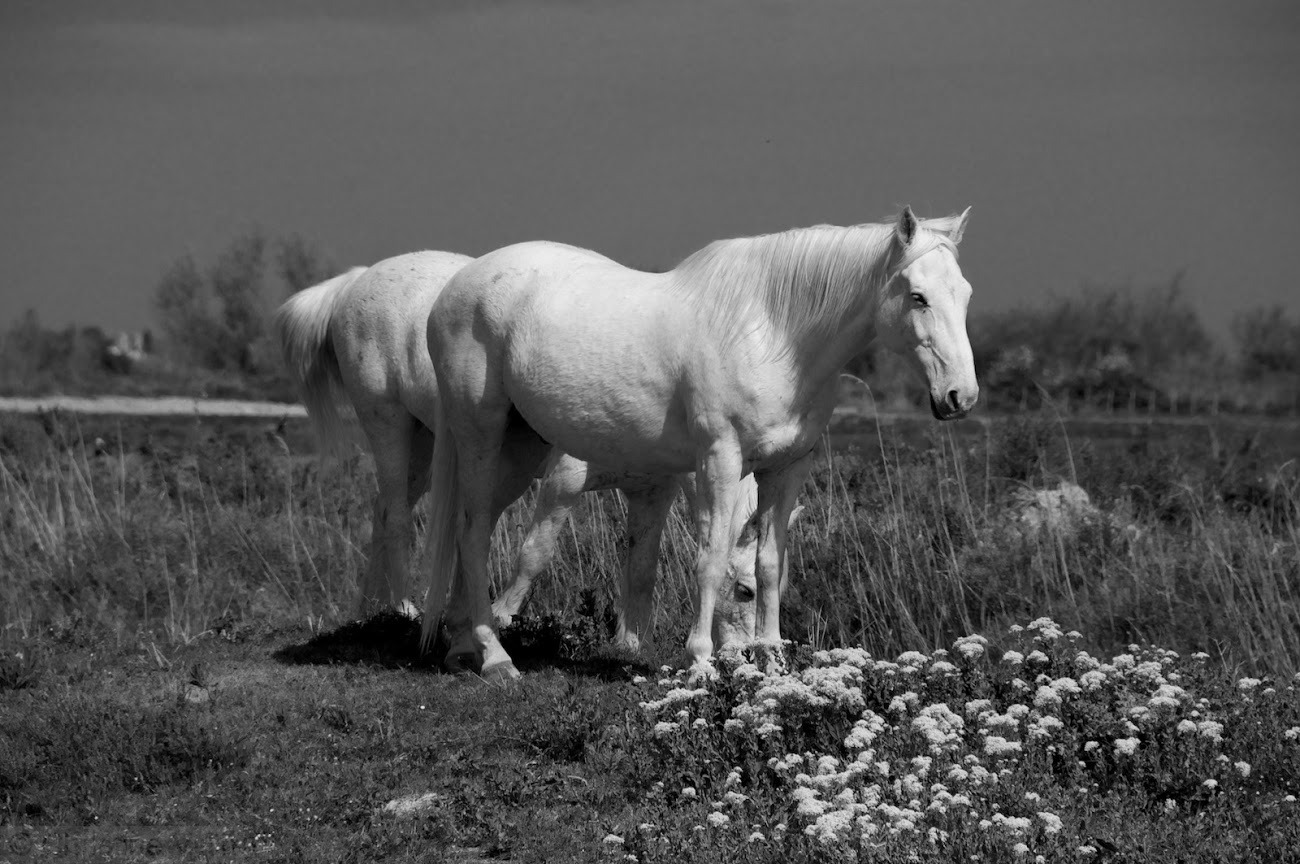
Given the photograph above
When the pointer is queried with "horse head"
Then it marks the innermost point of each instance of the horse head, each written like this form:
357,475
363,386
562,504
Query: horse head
734,616
922,311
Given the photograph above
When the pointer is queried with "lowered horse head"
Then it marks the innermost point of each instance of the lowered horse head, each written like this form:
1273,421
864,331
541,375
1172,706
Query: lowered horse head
922,311
734,616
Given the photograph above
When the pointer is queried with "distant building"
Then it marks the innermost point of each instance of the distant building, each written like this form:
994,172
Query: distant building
128,350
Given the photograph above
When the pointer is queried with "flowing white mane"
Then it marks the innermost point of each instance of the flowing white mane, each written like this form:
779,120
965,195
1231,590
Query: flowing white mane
805,280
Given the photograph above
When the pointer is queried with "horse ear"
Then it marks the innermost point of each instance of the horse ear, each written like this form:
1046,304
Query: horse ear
955,236
905,227
749,534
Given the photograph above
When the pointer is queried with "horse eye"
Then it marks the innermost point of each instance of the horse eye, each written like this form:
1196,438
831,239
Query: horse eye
919,299
744,593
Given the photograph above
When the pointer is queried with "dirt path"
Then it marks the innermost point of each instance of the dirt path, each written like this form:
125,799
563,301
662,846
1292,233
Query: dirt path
167,406
184,406
172,406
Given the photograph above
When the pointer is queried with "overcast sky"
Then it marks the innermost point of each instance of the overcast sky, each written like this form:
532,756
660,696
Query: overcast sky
1102,142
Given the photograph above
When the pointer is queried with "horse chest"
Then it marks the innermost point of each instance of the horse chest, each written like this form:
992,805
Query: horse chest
784,437
780,444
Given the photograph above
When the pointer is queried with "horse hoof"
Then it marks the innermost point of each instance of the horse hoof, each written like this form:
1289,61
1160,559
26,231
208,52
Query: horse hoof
702,672
629,642
498,672
463,663
732,652
769,655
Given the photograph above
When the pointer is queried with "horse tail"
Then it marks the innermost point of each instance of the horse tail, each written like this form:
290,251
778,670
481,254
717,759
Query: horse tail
303,327
441,549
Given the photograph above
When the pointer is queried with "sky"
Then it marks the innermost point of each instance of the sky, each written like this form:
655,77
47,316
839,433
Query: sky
1114,142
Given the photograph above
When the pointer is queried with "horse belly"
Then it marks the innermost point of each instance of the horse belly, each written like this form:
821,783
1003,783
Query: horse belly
610,401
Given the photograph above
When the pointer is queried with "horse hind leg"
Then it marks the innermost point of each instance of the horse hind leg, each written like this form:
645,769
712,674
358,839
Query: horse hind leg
647,510
562,486
388,571
419,472
494,471
420,465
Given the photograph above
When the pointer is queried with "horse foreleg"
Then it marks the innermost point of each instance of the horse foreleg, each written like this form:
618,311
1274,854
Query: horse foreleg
733,616
562,486
647,509
778,491
718,495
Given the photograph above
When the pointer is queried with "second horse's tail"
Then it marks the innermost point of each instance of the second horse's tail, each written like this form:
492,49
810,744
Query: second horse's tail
441,551
303,327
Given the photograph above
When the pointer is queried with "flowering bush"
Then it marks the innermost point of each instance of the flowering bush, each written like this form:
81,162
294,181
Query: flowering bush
1035,752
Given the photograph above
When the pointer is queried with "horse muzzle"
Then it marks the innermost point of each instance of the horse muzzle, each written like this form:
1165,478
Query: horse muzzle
954,405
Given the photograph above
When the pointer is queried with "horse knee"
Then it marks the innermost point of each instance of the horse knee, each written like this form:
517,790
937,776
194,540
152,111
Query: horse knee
504,612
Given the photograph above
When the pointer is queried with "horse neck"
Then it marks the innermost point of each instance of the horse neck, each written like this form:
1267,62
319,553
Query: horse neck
812,292
845,284
817,362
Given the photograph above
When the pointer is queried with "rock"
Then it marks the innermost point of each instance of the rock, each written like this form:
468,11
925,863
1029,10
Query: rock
1063,510
411,805
193,694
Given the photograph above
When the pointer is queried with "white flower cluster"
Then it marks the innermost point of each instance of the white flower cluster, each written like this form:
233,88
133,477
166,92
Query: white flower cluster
911,763
971,647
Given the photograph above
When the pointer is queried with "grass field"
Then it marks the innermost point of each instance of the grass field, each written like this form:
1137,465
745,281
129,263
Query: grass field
178,680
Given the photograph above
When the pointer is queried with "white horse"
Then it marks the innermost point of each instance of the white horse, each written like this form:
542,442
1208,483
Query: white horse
726,365
358,337
361,337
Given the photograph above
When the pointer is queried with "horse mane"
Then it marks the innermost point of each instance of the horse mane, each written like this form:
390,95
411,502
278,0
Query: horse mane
805,280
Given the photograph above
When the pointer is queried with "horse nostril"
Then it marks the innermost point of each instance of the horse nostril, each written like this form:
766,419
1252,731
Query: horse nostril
954,402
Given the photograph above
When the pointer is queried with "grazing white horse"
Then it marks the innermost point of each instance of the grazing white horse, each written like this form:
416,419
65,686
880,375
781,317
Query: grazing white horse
361,337
726,365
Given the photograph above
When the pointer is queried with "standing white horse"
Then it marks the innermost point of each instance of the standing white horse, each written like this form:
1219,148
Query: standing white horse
361,336
726,365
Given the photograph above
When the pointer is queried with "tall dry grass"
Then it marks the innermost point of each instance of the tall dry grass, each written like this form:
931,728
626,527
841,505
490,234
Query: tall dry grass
909,553
906,543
